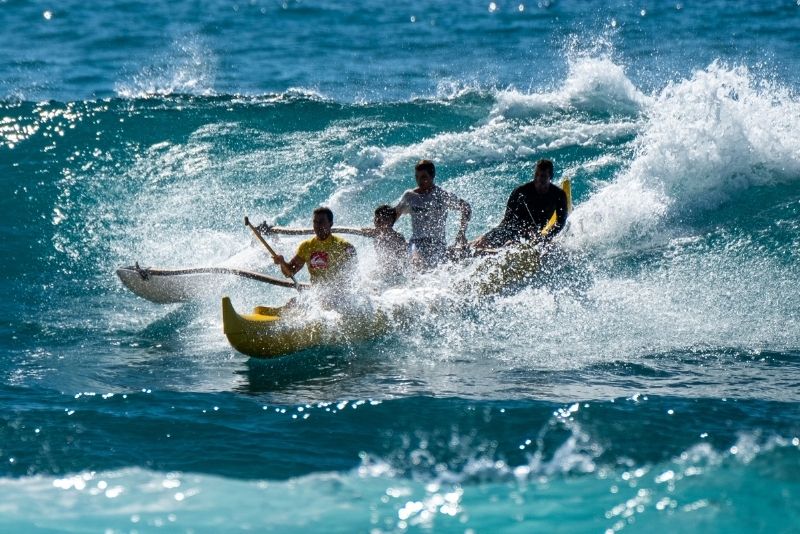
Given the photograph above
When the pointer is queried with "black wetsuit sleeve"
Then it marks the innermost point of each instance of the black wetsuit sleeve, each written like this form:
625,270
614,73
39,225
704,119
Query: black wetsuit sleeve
513,207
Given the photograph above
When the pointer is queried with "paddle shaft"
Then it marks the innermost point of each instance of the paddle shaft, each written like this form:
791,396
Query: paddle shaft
269,248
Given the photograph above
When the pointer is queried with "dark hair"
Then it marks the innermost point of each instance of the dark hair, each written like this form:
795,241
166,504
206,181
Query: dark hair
544,165
386,211
427,166
325,211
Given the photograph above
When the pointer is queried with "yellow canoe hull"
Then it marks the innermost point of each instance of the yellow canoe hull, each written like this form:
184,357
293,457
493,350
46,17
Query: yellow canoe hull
512,266
268,335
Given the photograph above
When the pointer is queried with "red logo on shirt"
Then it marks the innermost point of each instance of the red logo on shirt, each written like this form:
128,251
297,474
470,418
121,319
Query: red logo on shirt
318,260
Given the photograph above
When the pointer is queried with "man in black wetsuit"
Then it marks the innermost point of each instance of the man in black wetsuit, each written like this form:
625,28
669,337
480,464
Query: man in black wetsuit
529,208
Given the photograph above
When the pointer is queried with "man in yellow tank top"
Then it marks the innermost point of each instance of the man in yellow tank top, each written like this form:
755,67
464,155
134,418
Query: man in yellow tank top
330,259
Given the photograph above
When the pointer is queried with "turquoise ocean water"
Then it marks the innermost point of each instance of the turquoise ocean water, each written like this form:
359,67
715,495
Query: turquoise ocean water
647,381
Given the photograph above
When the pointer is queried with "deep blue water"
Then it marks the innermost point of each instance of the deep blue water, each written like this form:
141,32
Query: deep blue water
647,379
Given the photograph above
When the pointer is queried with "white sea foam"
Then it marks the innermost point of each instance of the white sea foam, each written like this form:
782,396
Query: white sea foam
706,138
496,143
593,85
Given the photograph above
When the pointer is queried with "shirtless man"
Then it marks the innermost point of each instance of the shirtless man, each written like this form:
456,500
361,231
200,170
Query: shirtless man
528,210
428,205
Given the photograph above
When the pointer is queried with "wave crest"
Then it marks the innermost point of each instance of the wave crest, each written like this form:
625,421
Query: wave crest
706,138
593,85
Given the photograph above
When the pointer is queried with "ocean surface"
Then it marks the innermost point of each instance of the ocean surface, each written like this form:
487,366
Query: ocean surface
647,380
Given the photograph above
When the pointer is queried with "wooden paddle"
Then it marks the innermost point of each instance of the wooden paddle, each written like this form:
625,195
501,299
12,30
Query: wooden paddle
269,248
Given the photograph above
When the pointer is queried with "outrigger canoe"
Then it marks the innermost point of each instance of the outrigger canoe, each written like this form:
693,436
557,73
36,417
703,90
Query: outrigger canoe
273,332
270,333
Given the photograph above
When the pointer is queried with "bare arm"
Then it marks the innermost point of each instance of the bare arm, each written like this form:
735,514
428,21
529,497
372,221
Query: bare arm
291,268
466,213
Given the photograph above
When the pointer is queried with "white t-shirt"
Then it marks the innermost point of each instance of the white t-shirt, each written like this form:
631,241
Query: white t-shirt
428,212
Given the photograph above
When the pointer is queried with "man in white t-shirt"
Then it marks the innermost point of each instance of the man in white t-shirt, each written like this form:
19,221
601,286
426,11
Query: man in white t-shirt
428,205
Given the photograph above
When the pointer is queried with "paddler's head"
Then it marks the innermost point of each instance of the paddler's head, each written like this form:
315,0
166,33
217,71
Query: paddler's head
542,175
385,216
322,223
425,172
